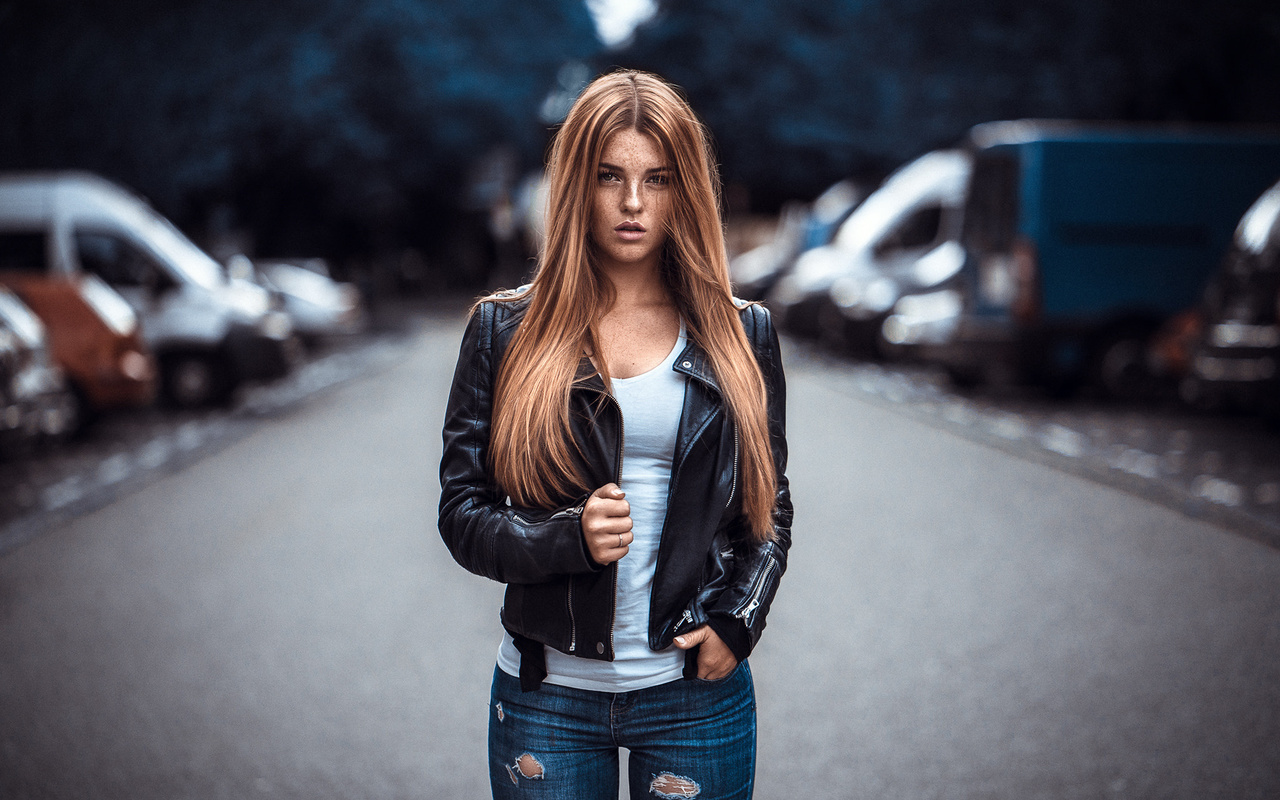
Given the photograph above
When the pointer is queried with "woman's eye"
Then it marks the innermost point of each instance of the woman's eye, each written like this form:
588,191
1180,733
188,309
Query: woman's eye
606,175
660,180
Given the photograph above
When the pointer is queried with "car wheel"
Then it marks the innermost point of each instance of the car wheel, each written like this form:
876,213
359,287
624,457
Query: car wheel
63,417
830,328
965,379
1121,369
194,381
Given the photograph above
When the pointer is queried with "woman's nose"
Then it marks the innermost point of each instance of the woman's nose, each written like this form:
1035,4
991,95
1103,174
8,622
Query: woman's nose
631,199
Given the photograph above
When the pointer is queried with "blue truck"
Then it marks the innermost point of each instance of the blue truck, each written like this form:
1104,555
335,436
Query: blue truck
1079,240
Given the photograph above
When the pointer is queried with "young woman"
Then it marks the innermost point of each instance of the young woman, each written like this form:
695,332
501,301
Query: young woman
614,451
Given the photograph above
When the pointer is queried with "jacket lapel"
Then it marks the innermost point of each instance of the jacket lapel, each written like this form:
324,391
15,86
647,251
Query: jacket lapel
702,399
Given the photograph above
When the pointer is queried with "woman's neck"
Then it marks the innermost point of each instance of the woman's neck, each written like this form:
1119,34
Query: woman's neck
636,286
639,329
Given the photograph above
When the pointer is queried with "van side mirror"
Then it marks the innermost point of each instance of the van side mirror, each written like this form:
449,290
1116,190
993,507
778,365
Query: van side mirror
160,282
239,266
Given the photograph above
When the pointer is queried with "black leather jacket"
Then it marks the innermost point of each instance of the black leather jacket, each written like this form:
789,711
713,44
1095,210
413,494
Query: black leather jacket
709,570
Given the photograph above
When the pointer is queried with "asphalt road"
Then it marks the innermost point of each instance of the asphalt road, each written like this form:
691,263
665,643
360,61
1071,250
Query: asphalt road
280,619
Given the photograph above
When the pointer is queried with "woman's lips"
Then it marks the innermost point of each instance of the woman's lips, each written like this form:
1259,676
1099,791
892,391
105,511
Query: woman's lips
630,231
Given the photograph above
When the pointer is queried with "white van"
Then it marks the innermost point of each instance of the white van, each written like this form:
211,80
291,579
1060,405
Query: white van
900,238
208,332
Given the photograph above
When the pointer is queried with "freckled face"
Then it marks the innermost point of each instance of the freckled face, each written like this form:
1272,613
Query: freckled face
632,201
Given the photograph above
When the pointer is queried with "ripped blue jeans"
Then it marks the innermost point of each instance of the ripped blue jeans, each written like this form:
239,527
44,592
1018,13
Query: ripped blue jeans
687,738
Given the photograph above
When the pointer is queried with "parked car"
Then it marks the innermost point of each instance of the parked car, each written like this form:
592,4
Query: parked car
318,306
755,271
208,332
1236,361
842,291
94,335
35,400
801,227
1075,243
11,349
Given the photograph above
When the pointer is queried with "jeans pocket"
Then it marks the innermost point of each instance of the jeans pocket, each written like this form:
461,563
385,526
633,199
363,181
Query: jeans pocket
718,681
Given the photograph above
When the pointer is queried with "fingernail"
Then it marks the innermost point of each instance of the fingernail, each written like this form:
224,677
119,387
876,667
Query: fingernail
680,640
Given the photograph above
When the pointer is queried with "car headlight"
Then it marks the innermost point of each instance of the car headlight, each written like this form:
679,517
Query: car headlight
275,325
921,318
880,295
847,292
1237,334
997,284
135,365
930,307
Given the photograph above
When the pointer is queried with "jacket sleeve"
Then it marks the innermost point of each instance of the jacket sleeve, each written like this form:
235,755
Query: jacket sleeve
485,534
738,615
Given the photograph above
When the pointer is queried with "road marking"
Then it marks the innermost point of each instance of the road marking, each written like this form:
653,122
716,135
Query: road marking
114,469
1063,440
1217,490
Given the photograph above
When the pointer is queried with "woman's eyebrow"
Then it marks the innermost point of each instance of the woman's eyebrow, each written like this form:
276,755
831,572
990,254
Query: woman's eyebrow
616,168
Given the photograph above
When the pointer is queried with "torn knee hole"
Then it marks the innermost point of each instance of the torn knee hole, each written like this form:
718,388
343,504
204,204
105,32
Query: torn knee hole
673,787
528,767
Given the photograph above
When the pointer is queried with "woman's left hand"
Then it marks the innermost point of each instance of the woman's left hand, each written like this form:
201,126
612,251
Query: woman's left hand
715,659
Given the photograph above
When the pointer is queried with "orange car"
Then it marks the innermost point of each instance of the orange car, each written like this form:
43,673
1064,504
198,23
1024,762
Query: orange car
93,333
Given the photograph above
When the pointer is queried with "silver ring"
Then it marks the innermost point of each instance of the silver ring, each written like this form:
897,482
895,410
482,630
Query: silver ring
619,540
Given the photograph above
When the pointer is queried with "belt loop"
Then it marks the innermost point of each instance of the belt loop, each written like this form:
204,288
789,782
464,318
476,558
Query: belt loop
533,663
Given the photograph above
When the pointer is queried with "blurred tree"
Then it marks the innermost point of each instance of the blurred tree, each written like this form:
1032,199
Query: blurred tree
786,88
351,125
348,118
800,95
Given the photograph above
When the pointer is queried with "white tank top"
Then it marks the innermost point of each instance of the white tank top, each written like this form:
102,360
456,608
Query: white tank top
651,404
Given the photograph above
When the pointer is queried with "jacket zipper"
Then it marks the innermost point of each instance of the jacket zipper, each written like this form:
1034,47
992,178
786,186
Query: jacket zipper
575,511
573,623
617,478
753,600
564,513
733,484
613,610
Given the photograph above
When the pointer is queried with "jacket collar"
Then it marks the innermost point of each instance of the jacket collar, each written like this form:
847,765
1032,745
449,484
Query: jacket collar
692,361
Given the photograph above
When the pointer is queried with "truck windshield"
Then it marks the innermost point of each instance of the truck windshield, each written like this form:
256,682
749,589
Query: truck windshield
991,210
175,248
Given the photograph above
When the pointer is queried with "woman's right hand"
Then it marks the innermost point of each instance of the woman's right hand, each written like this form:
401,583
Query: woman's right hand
606,524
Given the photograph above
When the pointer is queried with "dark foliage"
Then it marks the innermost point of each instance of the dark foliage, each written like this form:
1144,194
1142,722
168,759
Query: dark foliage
802,94
350,126
333,124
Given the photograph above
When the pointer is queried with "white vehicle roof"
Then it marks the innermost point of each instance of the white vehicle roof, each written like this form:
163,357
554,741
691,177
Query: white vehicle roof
85,200
940,177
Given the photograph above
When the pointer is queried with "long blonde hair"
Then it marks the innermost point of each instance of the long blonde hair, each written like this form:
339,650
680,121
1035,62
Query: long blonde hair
530,452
